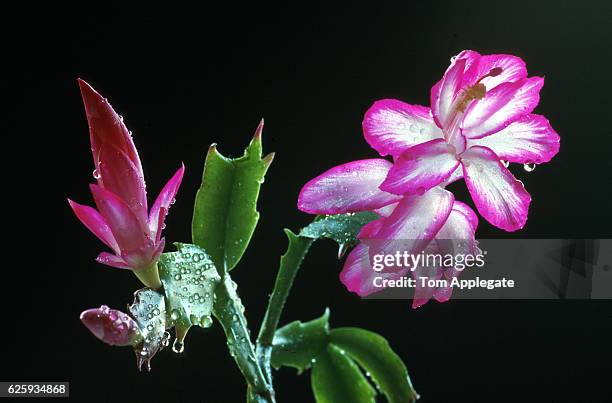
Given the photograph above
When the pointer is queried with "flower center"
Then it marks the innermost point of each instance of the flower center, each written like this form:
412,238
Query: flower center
476,91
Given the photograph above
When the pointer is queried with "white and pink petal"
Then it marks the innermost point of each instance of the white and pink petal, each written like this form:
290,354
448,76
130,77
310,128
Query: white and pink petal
421,167
500,107
445,92
530,139
414,222
512,69
358,275
391,126
347,188
499,197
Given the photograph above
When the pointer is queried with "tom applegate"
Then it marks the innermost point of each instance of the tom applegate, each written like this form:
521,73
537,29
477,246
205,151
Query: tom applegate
407,282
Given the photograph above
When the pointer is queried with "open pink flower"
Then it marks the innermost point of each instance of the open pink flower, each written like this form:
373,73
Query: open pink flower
122,220
111,326
410,223
480,117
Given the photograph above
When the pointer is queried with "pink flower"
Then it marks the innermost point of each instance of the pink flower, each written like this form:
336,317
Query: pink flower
411,223
480,119
122,220
111,326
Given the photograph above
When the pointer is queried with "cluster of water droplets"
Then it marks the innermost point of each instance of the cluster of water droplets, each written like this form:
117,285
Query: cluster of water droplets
149,312
189,278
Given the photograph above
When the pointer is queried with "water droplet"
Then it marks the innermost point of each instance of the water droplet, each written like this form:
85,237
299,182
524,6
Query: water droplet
175,314
178,347
206,321
150,327
96,174
177,277
165,339
505,163
529,167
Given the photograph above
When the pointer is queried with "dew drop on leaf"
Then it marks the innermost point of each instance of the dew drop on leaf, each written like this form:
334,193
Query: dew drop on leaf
178,347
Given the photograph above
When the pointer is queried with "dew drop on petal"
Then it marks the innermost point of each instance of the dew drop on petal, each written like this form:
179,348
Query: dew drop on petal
96,174
529,167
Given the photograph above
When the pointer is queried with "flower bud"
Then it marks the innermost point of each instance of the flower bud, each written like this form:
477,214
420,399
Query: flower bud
111,326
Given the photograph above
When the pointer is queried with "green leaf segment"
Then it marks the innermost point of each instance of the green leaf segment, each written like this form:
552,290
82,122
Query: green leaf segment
336,356
225,213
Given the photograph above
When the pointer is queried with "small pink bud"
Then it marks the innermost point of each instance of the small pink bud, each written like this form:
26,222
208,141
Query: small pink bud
111,326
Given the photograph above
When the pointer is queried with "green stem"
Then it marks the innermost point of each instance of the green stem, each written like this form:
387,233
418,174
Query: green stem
290,263
149,276
229,311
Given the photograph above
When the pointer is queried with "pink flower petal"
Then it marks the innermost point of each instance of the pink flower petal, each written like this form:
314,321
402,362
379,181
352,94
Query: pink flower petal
111,326
106,126
499,197
423,293
468,213
387,210
421,167
163,201
530,139
120,176
391,126
501,106
454,176
358,275
129,232
513,69
112,260
456,237
414,222
347,188
444,93
96,223
371,229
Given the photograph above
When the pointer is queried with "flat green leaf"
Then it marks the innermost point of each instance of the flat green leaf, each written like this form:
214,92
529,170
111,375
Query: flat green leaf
342,228
189,278
225,213
336,378
297,344
149,312
374,354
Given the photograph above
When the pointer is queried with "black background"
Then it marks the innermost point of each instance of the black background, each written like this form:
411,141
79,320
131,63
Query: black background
184,78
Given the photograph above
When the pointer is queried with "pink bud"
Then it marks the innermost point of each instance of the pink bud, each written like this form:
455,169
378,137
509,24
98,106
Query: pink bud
111,326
